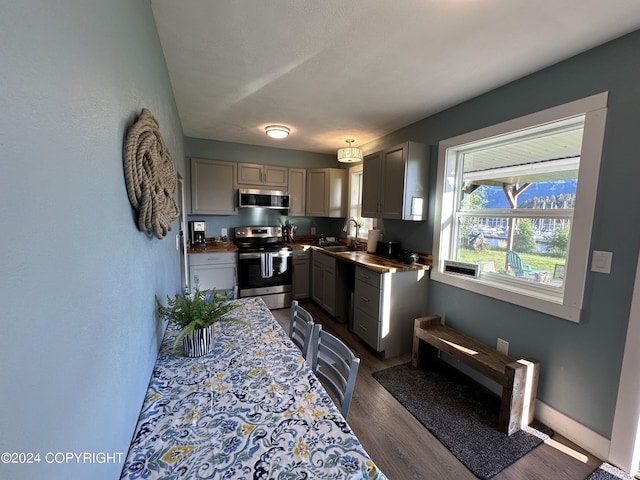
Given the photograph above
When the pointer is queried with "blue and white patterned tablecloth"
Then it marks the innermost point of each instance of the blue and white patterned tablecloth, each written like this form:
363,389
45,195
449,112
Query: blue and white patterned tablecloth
252,409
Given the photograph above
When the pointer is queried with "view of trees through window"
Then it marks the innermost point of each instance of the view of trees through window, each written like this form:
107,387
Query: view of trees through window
515,204
541,240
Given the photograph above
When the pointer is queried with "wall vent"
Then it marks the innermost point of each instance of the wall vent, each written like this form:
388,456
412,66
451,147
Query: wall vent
461,268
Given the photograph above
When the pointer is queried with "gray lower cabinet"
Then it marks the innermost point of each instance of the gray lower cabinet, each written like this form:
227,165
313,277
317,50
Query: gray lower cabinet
213,270
329,287
385,306
301,274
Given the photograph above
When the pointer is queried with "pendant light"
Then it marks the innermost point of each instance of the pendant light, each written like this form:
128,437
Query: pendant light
349,154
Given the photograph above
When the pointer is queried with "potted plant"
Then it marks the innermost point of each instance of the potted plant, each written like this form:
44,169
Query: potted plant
195,313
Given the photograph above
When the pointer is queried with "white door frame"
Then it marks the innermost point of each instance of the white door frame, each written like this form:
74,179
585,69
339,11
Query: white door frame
624,451
182,236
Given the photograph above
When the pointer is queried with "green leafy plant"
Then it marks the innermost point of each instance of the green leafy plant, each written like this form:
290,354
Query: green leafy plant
196,310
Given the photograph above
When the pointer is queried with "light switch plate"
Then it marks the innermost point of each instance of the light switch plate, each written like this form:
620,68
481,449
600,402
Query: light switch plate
601,261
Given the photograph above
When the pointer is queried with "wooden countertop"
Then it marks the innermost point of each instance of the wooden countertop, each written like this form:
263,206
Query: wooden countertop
213,246
374,262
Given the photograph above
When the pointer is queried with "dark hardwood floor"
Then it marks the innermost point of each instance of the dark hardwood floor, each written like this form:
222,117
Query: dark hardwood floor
403,449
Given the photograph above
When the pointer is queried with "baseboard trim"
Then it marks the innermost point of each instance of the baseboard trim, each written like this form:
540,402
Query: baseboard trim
574,431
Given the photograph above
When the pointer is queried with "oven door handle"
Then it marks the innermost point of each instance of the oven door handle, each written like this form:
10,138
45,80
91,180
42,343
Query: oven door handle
259,255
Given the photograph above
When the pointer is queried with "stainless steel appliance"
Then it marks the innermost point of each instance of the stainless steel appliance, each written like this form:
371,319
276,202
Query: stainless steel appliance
388,249
198,234
264,265
250,198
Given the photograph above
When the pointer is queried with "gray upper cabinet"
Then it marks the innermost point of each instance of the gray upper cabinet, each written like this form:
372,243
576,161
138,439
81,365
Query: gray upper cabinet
213,187
297,192
326,192
395,183
250,174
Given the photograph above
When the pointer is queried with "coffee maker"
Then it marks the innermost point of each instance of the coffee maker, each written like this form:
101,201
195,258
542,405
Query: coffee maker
197,234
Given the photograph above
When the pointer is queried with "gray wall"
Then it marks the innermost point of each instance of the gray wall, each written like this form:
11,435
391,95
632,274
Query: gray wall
580,362
79,334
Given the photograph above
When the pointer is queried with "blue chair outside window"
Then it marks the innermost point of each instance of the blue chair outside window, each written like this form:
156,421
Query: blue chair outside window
521,269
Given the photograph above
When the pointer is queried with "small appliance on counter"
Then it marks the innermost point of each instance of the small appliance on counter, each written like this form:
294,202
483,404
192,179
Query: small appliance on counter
198,234
388,249
406,256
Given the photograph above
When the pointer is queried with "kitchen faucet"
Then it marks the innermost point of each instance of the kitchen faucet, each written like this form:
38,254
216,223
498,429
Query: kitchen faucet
346,228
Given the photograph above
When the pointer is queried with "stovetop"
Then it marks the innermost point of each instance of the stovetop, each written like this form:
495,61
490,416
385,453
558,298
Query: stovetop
259,239
262,247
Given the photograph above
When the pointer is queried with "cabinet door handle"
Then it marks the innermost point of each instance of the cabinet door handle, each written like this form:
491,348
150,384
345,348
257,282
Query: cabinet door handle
364,299
364,328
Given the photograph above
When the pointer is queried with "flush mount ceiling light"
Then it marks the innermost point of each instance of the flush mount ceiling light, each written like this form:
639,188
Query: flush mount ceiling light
277,131
349,154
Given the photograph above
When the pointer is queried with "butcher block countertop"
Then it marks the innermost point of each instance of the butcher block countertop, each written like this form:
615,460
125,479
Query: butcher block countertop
213,246
371,261
377,263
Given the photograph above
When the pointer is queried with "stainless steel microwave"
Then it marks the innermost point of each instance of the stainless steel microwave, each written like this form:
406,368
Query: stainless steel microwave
251,198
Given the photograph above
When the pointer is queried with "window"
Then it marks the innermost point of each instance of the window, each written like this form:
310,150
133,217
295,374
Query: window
515,206
355,204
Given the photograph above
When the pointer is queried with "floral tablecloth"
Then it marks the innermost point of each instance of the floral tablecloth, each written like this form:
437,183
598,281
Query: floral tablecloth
252,409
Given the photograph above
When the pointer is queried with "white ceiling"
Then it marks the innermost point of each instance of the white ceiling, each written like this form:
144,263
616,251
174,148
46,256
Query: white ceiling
338,69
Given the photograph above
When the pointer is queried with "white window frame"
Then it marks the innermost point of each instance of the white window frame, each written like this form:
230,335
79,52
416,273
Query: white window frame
363,233
569,306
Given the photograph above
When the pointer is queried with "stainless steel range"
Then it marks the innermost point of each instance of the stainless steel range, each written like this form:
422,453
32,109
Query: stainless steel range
264,265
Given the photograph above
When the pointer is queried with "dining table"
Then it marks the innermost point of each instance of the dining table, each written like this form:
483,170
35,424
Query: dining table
250,409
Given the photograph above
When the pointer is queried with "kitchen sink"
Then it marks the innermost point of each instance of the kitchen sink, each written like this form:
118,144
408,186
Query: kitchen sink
339,248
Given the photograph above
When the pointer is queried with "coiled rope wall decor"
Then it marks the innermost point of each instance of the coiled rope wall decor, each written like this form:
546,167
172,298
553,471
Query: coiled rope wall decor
150,176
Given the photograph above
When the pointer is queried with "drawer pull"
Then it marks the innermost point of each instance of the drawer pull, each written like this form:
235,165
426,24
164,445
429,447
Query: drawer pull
364,328
364,299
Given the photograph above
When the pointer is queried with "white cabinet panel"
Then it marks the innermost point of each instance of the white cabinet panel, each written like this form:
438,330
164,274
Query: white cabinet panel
213,270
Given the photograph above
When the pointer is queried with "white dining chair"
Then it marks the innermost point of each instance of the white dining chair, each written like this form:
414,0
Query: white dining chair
302,330
336,367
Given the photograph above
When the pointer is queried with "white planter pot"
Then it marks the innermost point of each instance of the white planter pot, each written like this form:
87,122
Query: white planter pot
199,343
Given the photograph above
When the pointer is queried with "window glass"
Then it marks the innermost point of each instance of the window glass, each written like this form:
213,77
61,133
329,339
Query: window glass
355,204
509,201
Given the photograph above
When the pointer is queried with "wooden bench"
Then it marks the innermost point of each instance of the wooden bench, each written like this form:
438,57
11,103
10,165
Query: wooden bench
519,378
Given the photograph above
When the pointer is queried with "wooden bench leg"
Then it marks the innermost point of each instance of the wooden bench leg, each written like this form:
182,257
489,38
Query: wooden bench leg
518,395
418,355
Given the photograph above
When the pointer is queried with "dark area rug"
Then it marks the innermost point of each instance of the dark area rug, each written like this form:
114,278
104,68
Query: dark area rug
609,472
462,414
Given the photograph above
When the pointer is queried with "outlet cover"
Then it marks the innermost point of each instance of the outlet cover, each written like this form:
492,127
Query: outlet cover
502,346
223,232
